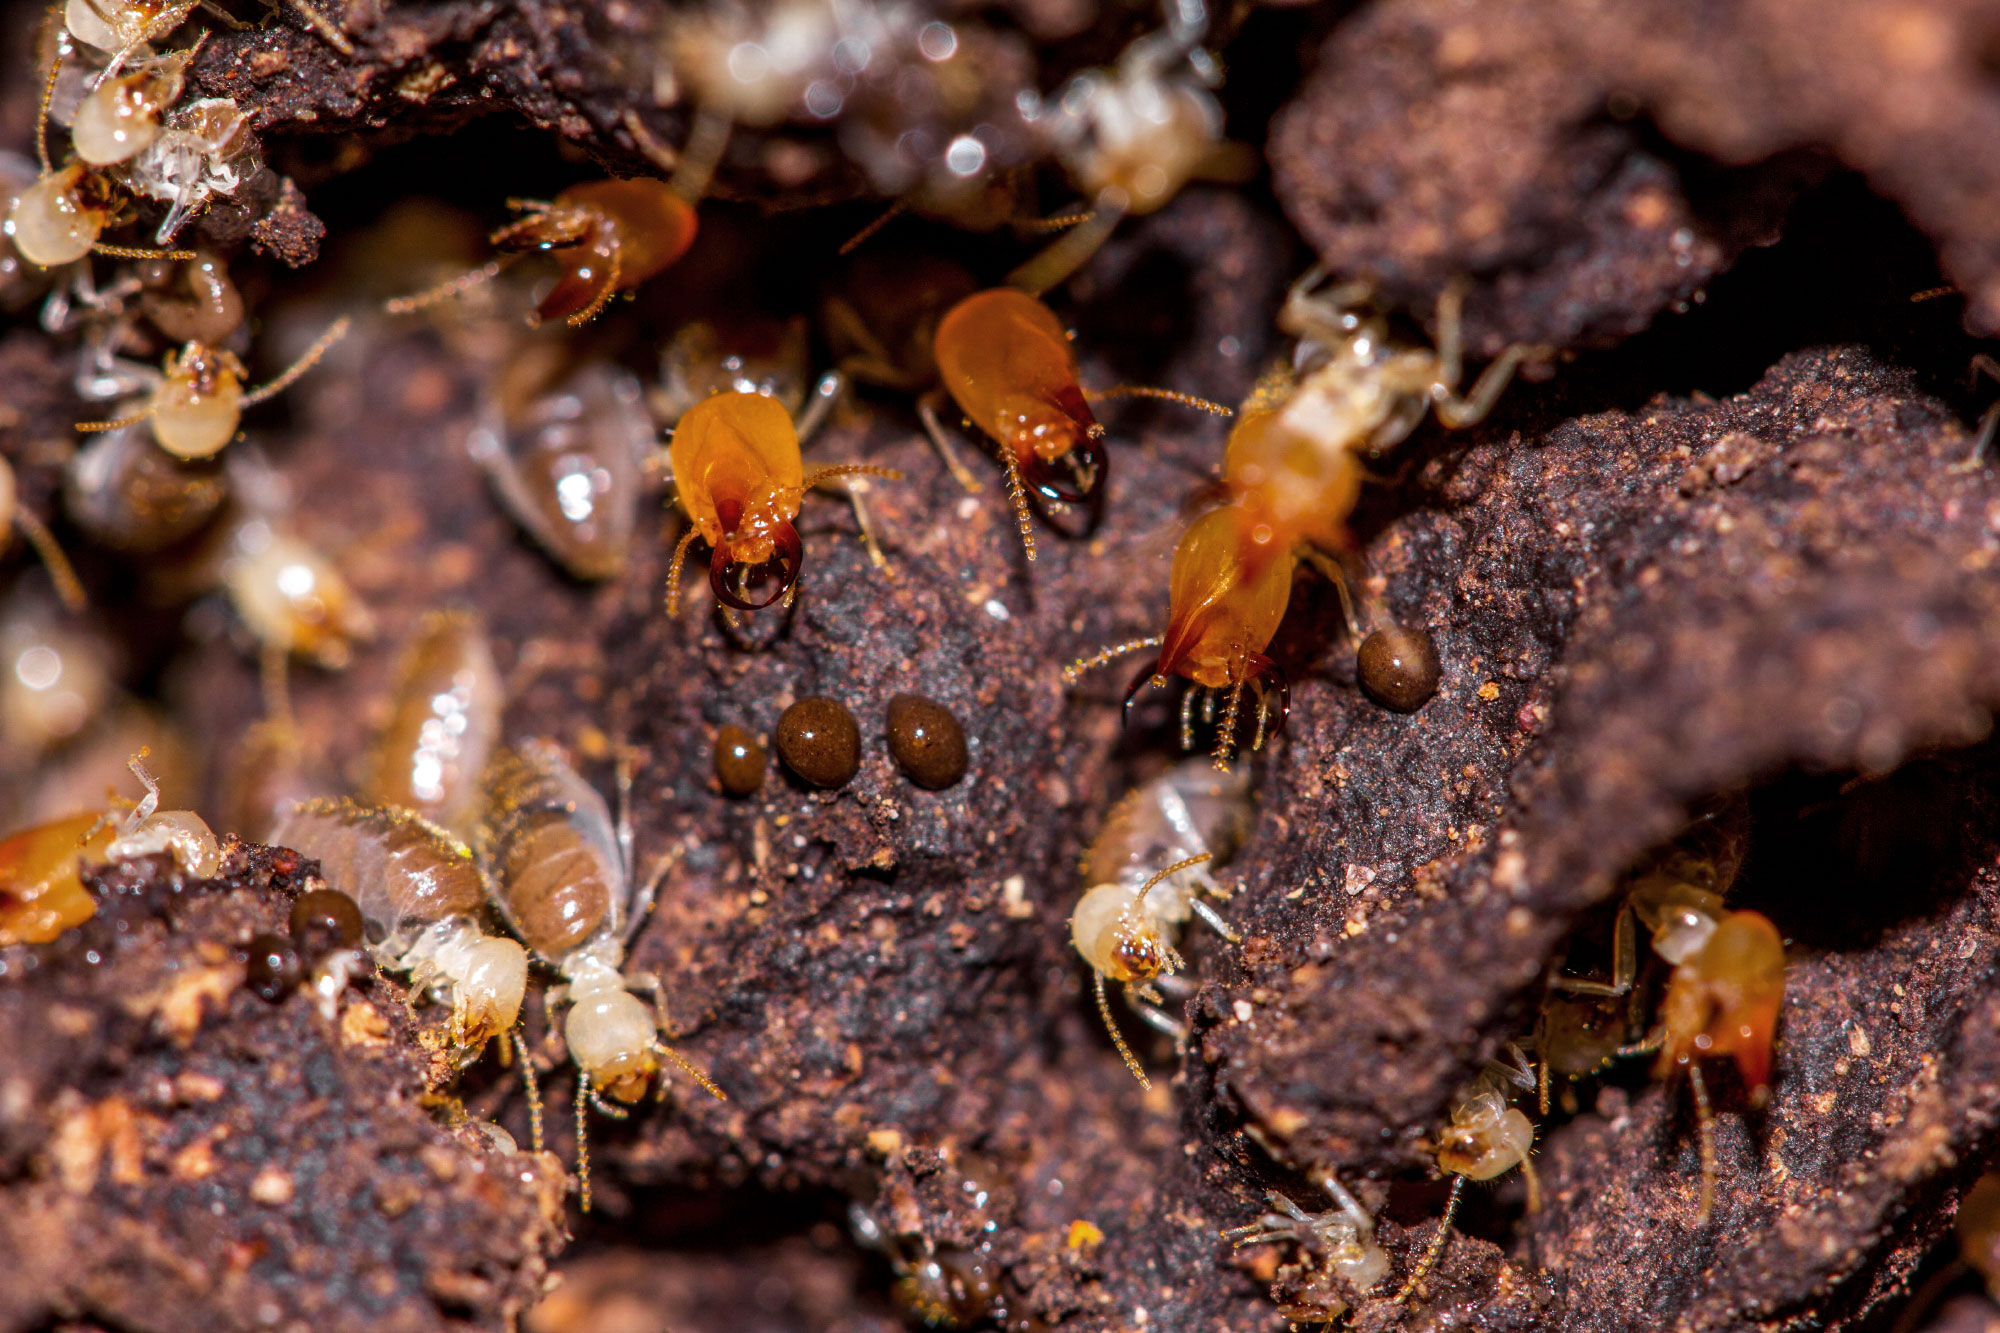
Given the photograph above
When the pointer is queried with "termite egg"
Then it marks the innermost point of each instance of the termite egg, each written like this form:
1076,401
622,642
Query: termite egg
819,740
739,761
1398,666
926,741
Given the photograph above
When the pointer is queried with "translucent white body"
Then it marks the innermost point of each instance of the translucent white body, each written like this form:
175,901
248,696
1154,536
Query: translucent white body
1335,1245
1486,1138
1139,136
120,117
182,832
204,150
292,597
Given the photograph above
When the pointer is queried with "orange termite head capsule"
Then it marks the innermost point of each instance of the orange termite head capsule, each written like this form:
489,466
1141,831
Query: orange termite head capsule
737,468
1007,362
1725,999
41,889
1225,602
609,236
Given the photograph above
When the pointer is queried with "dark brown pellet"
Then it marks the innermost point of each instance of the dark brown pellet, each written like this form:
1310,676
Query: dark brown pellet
818,740
926,741
1398,667
739,761
273,970
324,920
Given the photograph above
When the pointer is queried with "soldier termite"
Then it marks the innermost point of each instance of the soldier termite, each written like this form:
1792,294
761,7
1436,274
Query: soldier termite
562,877
1127,923
444,723
423,900
739,478
1727,984
198,398
41,884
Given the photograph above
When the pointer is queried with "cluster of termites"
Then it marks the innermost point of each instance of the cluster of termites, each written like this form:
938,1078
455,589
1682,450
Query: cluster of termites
474,868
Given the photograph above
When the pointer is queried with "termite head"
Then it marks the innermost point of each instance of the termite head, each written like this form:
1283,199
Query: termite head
1057,442
613,1040
197,408
1724,1000
117,27
757,559
293,598
491,978
1486,1138
607,236
120,117
59,218
1119,938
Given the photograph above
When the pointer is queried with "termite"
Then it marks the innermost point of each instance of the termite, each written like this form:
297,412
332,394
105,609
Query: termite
1338,1255
566,451
194,301
739,478
198,400
444,723
1727,986
1007,362
606,236
1225,604
55,680
562,878
1127,933
129,494
423,898
1485,1140
41,868
291,597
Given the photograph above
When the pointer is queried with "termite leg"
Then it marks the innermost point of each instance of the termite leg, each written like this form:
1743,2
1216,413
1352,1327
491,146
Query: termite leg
531,1088
1267,675
1019,495
1214,920
1989,421
1187,714
820,403
1455,411
1624,963
1647,1045
322,25
1225,737
1331,571
1436,1250
927,412
1158,1019
1534,1179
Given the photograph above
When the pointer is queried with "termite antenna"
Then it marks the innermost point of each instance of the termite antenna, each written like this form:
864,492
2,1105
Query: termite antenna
449,289
51,26
581,1109
1060,222
1436,1250
1927,294
140,252
334,334
1118,1038
531,1088
674,571
692,1070
1067,255
323,25
614,270
1704,1118
836,470
61,573
91,427
1104,657
889,214
1173,869
1164,395
1019,495
1225,735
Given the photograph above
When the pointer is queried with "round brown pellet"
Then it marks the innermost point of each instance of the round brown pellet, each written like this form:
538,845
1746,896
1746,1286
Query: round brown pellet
272,968
739,761
1398,667
926,741
819,741
324,920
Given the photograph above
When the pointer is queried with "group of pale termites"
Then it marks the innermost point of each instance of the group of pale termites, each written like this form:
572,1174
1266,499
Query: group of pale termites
460,861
